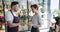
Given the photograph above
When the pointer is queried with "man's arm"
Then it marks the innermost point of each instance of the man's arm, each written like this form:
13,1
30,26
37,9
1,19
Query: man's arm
9,19
10,24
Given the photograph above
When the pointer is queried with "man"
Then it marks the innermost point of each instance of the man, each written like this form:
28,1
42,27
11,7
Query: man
13,21
36,21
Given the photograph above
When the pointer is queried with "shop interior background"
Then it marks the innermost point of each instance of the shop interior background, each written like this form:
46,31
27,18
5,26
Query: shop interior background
50,6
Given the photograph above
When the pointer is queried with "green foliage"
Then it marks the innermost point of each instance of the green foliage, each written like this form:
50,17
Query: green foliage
1,12
25,19
57,18
58,12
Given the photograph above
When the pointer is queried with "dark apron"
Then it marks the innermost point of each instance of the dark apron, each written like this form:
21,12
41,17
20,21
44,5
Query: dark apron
13,29
33,29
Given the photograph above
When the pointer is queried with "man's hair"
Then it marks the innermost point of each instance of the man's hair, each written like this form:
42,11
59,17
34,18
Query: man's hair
35,6
14,3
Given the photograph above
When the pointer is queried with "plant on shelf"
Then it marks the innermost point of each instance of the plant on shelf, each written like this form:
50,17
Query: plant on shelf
1,16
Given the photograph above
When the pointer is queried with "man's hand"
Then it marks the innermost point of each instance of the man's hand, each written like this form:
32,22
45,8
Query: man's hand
21,22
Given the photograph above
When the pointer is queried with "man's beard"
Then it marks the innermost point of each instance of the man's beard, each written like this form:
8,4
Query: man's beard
15,10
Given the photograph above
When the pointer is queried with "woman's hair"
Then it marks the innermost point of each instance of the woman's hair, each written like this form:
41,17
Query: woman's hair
35,6
14,3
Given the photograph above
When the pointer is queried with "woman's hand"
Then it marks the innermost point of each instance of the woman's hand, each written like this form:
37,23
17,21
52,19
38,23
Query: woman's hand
39,25
30,24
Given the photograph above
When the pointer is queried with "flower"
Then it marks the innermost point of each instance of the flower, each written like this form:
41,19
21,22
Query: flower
1,17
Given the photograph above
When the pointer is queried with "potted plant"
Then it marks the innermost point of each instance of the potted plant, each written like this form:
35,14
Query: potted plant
57,18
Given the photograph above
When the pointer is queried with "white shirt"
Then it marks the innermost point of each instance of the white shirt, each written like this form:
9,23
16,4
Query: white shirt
9,16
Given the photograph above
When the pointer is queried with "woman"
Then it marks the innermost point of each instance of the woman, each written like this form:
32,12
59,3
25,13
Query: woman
36,21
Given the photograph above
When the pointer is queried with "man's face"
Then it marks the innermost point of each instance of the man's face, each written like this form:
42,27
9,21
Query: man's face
15,7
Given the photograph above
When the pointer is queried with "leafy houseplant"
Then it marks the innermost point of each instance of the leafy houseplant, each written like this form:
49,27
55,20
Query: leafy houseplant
24,16
58,17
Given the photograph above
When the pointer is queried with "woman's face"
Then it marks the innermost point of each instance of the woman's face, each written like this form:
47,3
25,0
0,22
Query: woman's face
33,10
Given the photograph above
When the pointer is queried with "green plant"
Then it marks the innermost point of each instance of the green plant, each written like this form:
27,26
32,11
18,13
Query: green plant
25,19
58,12
1,12
57,20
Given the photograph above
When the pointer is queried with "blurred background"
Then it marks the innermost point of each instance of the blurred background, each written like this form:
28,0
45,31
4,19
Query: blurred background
52,7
